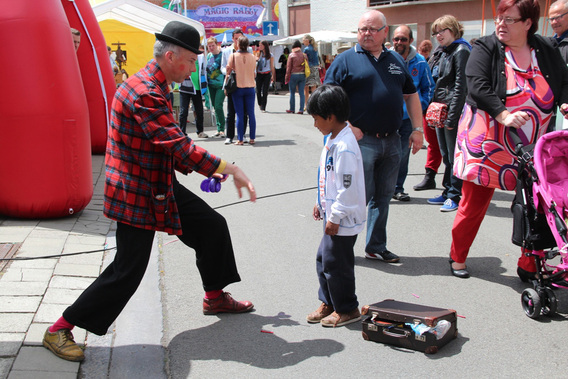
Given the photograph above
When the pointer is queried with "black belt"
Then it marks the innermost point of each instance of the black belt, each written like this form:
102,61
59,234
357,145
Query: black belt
380,134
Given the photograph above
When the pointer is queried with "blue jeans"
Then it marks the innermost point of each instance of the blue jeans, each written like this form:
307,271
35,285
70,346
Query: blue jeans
335,266
381,158
243,99
297,80
452,184
405,131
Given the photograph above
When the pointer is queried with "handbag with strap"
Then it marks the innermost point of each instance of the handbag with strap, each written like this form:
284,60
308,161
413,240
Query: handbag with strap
436,114
306,67
231,83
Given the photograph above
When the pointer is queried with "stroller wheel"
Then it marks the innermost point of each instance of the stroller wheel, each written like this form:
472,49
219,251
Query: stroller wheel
549,302
530,300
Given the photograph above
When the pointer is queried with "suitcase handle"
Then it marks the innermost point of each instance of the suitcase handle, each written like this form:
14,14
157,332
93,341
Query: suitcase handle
405,334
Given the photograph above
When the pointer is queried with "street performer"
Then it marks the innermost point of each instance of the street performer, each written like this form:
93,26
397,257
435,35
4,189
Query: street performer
145,146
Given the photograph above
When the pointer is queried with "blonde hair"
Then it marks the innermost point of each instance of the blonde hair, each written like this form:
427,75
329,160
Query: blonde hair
448,22
312,41
212,40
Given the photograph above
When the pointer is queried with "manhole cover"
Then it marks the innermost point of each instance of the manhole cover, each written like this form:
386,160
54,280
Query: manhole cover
7,251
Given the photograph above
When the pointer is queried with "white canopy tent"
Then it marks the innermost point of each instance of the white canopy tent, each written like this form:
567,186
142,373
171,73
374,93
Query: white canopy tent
141,15
322,36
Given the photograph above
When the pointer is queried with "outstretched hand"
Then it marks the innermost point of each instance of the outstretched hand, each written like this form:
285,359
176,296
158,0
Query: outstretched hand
241,181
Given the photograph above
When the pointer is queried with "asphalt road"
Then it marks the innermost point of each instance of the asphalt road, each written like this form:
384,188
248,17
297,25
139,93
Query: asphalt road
275,242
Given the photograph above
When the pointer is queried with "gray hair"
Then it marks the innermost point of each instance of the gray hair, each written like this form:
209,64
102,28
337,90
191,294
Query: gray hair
161,47
557,3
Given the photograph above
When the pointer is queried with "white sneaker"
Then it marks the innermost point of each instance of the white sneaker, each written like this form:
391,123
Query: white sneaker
228,141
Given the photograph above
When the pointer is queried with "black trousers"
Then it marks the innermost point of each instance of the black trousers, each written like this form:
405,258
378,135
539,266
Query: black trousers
262,85
231,118
204,230
184,110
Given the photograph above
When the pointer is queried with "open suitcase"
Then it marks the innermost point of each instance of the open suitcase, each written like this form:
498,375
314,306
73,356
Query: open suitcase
411,326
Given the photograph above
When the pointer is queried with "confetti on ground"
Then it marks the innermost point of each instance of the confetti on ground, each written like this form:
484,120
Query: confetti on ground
266,331
461,316
416,296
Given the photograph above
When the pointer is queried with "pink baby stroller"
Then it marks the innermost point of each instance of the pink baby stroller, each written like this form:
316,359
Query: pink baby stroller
540,213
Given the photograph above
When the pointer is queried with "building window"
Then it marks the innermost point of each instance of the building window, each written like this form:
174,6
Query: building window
375,3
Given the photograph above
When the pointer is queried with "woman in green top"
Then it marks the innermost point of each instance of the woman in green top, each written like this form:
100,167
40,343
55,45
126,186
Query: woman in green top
215,78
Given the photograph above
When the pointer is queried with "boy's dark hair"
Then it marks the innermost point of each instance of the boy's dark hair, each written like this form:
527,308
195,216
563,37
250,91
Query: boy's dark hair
328,100
296,44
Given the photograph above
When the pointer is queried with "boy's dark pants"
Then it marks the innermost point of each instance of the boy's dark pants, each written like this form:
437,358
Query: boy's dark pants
335,264
204,230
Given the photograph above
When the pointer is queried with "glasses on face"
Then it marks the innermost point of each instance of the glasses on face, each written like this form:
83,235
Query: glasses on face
557,17
439,32
507,20
370,30
401,39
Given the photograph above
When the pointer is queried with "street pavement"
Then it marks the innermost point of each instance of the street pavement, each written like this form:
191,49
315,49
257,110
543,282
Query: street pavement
162,333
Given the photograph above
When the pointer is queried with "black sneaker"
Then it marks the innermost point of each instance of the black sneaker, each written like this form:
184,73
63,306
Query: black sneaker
401,196
385,256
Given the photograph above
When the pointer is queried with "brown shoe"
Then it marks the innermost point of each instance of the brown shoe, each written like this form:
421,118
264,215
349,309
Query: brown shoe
62,344
340,319
225,304
324,310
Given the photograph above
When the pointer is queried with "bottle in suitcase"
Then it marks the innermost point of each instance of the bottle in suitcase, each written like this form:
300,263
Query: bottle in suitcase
412,326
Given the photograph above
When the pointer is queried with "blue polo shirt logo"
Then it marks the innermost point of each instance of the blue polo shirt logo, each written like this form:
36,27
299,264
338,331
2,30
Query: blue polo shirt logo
414,72
394,69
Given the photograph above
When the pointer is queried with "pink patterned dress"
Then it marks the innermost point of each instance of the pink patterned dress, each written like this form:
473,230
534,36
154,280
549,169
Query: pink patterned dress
485,152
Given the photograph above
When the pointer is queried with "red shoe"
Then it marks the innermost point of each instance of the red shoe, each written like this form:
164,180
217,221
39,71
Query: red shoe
289,111
225,304
301,112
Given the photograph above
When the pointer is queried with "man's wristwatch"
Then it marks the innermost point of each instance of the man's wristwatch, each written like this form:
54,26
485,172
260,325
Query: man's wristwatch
417,130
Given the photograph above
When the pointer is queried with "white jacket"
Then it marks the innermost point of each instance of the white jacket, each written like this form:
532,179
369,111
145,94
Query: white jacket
341,187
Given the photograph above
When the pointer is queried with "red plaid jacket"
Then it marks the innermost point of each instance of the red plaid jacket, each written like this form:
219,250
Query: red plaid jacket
144,147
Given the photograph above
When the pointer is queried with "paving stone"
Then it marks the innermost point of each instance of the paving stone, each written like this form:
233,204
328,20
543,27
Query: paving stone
34,247
58,224
66,269
90,258
14,233
42,374
28,275
10,343
70,282
15,322
82,239
49,312
19,304
61,295
48,233
42,361
34,263
22,288
5,365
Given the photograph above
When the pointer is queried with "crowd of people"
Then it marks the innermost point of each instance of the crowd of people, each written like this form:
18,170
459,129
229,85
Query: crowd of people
374,108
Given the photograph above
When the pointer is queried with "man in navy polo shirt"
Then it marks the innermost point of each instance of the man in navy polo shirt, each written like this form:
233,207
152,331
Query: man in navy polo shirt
377,82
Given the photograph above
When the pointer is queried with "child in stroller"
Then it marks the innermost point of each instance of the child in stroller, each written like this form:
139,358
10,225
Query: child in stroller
540,213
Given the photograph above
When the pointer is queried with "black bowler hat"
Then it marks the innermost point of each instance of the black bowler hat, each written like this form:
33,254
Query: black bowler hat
181,34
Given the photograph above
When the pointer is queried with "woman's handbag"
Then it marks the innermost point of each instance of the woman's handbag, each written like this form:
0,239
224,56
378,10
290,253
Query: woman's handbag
436,114
231,83
306,68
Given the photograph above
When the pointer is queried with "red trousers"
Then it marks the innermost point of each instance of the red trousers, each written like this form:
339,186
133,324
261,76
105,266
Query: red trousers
471,212
433,155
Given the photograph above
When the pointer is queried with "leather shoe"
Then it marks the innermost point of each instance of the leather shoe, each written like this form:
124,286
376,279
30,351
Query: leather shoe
225,304
461,273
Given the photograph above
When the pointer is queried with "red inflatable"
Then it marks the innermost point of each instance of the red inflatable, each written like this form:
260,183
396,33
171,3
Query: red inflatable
45,152
96,71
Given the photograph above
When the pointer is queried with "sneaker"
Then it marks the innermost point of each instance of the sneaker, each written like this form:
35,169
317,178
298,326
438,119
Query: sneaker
323,311
62,344
228,141
385,256
202,135
440,200
401,196
217,134
340,319
221,134
225,304
449,206
289,111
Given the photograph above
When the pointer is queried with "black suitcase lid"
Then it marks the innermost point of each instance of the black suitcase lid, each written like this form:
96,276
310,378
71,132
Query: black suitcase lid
399,311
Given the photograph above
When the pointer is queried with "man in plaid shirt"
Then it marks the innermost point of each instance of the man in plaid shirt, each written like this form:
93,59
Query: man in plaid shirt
145,147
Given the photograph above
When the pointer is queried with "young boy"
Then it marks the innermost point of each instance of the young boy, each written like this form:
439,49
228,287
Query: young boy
341,204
